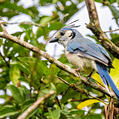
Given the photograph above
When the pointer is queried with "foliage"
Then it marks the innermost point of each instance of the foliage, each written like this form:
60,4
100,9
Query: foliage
28,77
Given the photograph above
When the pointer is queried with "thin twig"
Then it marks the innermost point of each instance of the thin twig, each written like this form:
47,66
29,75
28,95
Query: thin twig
83,91
4,60
31,23
35,105
2,26
74,86
58,102
111,30
26,23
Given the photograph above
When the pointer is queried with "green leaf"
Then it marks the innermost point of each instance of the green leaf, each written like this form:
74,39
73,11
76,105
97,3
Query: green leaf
1,41
25,93
45,20
3,83
115,38
69,94
118,2
8,14
23,65
54,1
15,7
55,26
8,110
34,10
54,114
54,69
16,94
72,113
87,103
18,33
14,73
76,111
63,59
61,87
42,31
93,116
45,2
27,103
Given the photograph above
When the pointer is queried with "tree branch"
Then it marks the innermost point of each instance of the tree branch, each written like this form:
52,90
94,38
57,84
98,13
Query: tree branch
53,60
94,25
83,91
12,38
73,86
35,105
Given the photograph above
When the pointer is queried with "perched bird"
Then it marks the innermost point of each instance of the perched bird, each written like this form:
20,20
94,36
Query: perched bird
86,55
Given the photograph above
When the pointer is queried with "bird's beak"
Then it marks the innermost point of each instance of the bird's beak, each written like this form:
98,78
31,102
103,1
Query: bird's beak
53,40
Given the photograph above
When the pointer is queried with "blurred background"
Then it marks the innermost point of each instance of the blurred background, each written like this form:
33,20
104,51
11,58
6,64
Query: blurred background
26,76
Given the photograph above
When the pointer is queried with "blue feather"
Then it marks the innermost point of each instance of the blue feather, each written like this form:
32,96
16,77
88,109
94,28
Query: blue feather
102,70
66,28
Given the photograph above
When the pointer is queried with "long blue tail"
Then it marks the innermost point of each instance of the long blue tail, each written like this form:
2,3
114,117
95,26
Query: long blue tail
107,78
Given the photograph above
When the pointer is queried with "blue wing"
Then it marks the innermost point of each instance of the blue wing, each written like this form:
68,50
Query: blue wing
89,49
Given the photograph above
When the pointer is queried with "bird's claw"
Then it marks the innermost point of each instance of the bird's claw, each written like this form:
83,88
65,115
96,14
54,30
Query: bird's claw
77,71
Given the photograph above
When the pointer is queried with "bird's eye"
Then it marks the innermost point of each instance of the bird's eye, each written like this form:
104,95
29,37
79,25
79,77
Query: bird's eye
62,33
72,35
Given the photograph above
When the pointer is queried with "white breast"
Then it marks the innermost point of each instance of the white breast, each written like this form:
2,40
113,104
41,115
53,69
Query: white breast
85,65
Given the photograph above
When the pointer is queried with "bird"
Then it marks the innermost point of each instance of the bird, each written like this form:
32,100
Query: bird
86,55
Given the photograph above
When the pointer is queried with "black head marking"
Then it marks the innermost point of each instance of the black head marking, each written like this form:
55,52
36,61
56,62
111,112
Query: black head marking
62,33
72,35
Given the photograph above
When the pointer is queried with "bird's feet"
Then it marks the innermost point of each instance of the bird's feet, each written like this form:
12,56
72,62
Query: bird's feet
89,76
77,71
